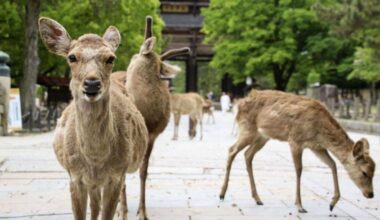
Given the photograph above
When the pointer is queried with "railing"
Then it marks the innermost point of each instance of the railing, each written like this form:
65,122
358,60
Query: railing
355,109
41,119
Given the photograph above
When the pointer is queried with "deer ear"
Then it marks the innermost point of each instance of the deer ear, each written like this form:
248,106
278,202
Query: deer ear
112,36
54,36
148,46
169,70
360,148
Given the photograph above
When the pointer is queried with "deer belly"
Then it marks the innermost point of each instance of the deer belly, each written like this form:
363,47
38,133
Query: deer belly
278,133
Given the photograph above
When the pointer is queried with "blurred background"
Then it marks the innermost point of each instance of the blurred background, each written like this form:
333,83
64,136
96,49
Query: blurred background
326,49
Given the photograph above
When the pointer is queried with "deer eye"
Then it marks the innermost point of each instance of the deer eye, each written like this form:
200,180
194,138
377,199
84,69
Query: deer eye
365,174
72,58
110,60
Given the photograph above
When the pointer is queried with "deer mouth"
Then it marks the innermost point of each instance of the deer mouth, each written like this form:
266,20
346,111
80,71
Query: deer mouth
90,94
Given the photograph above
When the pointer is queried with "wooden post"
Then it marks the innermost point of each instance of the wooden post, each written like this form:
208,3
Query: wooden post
367,110
378,111
341,107
356,108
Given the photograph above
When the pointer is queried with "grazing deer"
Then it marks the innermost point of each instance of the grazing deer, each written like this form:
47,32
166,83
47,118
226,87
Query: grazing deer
187,104
151,96
208,108
303,123
101,134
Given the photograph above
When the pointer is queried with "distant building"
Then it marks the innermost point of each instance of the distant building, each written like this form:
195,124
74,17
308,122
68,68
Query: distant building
183,23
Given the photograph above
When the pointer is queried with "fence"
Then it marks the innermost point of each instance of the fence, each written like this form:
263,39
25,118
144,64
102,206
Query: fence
41,119
3,112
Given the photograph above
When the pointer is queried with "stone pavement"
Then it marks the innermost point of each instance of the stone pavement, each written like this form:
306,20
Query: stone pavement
185,179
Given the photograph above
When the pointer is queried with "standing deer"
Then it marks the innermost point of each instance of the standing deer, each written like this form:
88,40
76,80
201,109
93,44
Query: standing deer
303,123
208,108
101,134
151,96
187,104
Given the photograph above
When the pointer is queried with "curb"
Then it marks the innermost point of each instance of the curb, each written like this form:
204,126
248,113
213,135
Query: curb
360,126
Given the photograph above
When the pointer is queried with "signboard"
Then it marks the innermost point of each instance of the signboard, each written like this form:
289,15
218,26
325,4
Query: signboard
14,113
175,8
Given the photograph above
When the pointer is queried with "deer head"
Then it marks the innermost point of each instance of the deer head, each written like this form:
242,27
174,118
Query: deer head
90,58
361,167
148,61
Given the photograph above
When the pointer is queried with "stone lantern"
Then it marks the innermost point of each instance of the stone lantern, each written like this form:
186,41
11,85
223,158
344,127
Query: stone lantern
5,85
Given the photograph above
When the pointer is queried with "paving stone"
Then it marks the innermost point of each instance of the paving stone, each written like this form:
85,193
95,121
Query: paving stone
185,179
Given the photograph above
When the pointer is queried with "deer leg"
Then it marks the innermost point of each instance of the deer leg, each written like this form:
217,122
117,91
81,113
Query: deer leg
192,126
297,159
201,126
241,143
95,199
177,117
143,176
110,198
78,199
249,154
326,158
123,208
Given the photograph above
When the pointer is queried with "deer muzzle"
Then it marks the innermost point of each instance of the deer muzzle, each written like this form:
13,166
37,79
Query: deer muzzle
92,87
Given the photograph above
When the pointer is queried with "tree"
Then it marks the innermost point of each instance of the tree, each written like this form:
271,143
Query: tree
31,59
262,38
358,20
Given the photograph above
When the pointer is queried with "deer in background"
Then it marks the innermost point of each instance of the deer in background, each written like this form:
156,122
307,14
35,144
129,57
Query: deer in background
187,104
208,108
101,135
303,123
152,98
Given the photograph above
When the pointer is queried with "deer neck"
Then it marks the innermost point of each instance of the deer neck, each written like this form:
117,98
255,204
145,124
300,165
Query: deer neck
145,76
341,149
95,130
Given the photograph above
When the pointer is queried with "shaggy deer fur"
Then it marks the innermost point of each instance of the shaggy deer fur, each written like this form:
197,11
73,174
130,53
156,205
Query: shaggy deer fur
303,123
187,104
151,96
100,135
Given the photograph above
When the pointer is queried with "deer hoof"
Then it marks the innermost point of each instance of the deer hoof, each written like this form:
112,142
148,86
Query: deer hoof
259,203
302,210
221,198
331,208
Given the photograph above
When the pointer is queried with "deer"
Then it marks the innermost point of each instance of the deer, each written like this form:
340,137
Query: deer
303,123
151,96
101,135
208,108
187,104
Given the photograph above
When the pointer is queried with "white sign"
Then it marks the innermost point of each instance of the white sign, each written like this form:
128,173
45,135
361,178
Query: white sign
14,113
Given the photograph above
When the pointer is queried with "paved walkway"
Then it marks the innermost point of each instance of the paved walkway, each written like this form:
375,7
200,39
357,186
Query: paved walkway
185,179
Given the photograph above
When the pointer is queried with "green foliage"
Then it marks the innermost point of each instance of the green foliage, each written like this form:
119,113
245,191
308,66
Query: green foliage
276,38
79,17
12,37
366,65
179,82
208,80
357,20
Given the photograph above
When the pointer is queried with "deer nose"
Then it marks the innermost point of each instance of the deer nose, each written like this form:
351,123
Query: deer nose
370,195
92,86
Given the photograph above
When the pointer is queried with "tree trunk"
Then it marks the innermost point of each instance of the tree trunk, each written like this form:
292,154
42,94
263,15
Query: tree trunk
31,59
282,74
373,93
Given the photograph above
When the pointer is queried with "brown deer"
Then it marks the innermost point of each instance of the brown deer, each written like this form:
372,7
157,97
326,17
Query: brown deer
151,96
208,108
101,134
187,104
303,123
